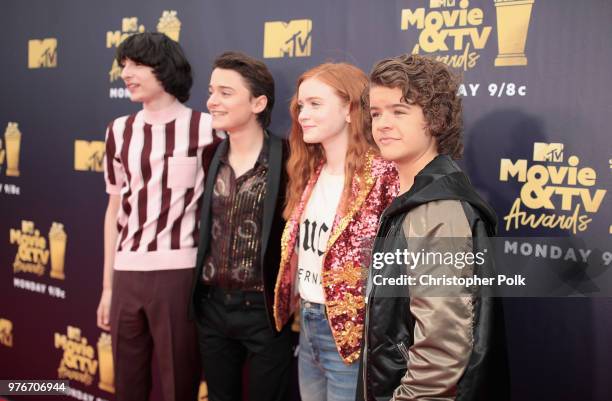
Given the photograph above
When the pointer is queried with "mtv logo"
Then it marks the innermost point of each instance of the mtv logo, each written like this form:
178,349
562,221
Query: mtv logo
547,152
441,3
89,156
293,38
42,53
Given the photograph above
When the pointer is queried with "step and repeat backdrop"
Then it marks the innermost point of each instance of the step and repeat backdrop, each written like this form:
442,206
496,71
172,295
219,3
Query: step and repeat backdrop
537,98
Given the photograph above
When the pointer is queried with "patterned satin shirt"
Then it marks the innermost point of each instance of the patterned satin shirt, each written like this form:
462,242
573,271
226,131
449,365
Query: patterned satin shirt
234,258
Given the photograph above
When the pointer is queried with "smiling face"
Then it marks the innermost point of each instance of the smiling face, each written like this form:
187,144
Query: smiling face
141,81
399,129
230,101
323,115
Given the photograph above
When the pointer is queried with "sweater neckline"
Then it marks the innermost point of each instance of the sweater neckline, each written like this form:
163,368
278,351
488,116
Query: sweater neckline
163,116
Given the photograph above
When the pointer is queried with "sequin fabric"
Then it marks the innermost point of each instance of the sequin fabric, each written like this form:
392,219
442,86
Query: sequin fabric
347,257
234,262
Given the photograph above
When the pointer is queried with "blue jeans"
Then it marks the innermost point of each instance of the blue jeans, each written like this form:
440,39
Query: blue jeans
323,374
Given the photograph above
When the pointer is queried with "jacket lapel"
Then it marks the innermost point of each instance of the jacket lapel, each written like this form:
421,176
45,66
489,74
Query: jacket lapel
207,202
275,170
360,188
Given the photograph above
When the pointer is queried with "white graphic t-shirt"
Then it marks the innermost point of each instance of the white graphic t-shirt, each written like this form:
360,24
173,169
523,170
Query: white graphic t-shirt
315,229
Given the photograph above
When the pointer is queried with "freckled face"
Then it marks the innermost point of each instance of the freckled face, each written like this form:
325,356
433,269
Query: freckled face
323,115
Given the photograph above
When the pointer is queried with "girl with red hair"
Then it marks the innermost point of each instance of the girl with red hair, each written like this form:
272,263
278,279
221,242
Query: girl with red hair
338,187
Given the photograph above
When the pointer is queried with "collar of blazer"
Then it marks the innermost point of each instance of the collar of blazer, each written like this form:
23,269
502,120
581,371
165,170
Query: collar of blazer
361,186
275,169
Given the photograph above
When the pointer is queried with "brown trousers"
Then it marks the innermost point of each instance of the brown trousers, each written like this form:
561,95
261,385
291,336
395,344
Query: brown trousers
149,312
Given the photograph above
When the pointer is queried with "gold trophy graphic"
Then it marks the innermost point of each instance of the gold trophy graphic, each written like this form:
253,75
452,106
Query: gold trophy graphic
6,335
512,26
2,153
105,360
12,139
170,25
203,392
57,245
115,71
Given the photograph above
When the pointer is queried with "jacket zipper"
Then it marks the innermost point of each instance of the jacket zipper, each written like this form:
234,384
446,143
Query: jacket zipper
403,350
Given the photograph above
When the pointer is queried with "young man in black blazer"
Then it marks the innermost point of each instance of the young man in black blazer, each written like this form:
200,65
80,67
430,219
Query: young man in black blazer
240,238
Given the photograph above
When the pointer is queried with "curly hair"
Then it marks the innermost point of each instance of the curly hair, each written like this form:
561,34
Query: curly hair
165,56
431,85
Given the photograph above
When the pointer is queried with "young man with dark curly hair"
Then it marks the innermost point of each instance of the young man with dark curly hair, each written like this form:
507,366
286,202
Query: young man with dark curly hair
154,170
422,342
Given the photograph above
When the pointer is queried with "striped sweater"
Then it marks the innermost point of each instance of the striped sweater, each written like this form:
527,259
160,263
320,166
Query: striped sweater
157,168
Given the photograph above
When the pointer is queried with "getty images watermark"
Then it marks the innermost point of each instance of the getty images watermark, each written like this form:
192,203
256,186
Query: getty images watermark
500,266
458,260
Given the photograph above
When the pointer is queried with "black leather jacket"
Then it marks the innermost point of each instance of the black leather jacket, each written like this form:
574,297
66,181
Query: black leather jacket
393,324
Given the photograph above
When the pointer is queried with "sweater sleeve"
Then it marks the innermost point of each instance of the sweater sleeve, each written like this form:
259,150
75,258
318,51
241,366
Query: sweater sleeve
114,174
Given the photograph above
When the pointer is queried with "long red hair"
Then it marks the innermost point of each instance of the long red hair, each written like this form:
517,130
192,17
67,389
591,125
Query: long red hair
348,82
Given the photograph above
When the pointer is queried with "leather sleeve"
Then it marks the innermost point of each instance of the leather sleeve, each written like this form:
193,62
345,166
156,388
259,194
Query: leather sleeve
442,337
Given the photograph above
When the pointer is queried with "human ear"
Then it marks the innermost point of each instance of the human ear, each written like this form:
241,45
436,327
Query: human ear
259,104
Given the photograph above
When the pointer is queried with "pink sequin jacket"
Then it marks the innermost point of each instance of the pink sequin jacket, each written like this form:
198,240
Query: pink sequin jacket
347,257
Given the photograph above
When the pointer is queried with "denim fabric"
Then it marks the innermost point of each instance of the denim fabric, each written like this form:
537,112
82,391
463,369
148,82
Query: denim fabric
323,374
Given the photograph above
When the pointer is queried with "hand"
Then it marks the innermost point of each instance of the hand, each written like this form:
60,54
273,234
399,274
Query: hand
103,313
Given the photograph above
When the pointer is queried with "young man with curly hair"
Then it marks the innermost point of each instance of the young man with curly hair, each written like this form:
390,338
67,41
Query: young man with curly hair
442,343
155,165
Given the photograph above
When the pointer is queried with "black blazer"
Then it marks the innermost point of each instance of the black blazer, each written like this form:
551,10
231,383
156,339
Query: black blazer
272,222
